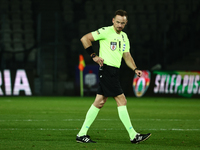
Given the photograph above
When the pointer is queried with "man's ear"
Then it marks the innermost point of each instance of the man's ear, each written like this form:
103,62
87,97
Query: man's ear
113,20
126,22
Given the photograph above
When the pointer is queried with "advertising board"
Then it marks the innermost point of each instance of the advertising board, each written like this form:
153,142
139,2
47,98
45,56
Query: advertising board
16,82
168,83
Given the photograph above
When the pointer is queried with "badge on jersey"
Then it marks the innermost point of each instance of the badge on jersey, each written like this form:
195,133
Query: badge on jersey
98,32
113,45
124,47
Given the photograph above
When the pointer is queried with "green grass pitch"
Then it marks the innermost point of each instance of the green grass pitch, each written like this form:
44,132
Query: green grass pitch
51,123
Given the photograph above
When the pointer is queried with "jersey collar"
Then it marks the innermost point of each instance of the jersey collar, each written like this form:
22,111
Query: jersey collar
115,31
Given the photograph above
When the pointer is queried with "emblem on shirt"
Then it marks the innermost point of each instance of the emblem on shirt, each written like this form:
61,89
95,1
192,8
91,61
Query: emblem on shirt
113,45
98,32
124,47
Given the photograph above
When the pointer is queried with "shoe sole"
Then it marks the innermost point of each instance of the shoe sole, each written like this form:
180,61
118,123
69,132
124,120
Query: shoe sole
144,139
79,141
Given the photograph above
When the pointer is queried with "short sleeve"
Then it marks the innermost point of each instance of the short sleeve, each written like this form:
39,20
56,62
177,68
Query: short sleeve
99,34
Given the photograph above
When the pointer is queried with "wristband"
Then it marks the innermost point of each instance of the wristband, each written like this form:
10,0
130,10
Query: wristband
90,50
135,69
93,55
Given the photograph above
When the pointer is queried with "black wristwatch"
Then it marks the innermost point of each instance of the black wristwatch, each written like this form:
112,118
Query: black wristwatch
93,55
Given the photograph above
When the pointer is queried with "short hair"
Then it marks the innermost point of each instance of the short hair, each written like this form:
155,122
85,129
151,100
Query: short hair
121,13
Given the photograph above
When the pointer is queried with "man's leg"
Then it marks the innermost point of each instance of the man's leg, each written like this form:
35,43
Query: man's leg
90,117
92,114
124,116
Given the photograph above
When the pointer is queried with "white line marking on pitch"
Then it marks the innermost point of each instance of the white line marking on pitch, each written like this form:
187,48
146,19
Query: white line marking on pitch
47,129
32,120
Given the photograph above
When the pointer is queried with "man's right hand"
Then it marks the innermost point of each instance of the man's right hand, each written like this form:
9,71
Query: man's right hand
98,60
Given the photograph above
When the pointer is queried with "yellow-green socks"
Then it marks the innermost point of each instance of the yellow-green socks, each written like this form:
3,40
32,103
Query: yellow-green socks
124,117
90,117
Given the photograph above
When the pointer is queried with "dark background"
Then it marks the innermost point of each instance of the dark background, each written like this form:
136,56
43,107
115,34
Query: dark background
44,36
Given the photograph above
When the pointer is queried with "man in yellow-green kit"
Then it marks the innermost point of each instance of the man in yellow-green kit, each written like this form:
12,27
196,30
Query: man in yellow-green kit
114,44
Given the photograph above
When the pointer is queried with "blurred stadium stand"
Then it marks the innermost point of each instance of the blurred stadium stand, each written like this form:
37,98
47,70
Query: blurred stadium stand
16,25
45,35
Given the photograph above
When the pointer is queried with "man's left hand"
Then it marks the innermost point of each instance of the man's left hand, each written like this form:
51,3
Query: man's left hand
138,72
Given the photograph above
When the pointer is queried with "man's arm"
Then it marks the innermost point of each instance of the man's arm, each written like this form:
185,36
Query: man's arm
87,40
131,63
87,43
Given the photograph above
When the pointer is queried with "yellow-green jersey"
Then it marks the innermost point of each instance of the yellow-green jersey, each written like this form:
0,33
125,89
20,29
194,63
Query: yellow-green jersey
112,45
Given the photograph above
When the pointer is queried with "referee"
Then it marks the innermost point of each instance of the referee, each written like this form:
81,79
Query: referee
114,44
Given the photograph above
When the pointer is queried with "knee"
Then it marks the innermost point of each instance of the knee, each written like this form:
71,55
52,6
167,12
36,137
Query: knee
100,100
99,104
121,100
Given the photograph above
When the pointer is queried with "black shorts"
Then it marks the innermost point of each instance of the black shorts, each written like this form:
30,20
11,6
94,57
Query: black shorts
109,85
